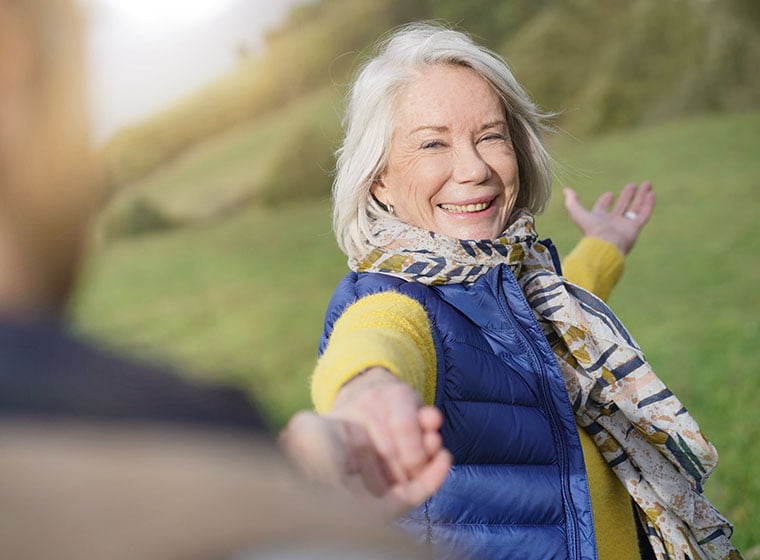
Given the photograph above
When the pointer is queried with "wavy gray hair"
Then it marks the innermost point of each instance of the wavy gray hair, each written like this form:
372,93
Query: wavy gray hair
369,121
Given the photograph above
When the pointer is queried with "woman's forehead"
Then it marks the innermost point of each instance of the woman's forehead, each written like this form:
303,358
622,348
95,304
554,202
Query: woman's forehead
443,95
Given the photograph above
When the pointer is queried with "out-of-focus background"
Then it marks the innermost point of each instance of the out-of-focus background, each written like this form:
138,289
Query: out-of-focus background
217,122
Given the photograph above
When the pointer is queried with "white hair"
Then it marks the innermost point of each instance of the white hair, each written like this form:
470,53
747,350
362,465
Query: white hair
369,122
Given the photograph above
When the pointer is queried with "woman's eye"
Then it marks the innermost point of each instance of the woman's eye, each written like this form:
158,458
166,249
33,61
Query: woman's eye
494,136
432,144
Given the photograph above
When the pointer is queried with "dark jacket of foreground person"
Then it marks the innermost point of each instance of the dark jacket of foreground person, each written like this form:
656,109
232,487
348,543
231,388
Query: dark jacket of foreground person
47,373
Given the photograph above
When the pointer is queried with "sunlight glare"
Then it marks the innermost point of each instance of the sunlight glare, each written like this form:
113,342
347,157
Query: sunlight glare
161,13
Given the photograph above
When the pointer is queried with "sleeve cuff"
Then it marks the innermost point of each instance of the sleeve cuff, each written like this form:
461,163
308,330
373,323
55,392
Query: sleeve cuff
388,330
596,265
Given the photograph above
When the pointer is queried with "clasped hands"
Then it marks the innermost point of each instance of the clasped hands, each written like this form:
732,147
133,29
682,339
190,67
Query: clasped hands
379,441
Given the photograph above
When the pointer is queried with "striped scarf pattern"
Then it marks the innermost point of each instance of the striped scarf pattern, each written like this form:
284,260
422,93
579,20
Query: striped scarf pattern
643,431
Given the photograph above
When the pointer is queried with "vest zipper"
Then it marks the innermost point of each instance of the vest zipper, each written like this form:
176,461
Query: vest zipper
550,405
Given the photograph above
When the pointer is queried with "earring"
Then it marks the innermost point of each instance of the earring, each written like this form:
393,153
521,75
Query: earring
390,209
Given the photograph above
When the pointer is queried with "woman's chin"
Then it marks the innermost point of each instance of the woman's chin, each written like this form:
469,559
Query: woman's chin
471,226
471,231
471,234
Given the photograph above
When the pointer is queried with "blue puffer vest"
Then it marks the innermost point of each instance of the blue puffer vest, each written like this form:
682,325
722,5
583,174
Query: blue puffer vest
518,487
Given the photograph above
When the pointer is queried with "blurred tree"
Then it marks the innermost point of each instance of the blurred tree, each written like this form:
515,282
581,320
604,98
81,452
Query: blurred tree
490,22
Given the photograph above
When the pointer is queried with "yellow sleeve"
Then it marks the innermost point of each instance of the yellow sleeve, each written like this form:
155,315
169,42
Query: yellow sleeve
594,264
389,330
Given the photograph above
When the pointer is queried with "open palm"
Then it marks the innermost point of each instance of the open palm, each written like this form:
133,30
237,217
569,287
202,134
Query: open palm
620,225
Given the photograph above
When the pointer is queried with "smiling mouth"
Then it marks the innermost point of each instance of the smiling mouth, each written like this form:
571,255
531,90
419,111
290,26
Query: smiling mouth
466,208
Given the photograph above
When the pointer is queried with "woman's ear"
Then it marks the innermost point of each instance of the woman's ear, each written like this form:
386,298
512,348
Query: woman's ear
380,192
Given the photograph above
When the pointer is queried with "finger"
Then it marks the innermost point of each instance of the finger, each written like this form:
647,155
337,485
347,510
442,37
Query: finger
430,418
421,487
305,437
292,438
371,476
571,198
643,202
624,199
577,212
407,433
602,204
572,202
323,449
432,442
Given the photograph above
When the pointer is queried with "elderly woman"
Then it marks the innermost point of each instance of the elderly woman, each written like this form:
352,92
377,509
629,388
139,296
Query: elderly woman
565,444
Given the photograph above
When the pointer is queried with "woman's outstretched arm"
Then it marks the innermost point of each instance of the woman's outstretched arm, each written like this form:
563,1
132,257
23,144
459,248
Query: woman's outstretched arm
375,382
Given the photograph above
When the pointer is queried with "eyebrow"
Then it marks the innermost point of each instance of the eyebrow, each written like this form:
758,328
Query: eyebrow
492,124
429,127
434,128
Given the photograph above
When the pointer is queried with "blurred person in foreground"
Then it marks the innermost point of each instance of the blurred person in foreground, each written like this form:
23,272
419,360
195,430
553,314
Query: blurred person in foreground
103,457
565,442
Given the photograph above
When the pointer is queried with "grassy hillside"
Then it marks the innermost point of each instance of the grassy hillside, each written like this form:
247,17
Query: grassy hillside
286,153
646,62
305,54
243,297
606,65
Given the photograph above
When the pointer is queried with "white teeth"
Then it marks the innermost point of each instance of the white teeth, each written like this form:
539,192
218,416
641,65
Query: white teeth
464,208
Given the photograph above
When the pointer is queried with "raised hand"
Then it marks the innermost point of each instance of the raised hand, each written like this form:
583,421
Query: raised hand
622,224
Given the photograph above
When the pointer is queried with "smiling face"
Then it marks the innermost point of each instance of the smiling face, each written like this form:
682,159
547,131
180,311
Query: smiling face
451,166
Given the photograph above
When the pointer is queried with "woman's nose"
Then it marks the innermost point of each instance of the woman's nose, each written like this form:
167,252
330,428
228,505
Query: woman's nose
469,166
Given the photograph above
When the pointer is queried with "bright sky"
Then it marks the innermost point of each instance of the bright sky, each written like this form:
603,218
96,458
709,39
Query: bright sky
144,54
178,14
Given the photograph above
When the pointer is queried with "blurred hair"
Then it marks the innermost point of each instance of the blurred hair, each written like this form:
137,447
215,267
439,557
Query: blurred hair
46,192
369,123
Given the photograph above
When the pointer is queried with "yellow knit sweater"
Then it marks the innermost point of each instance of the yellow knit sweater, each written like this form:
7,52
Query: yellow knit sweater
392,331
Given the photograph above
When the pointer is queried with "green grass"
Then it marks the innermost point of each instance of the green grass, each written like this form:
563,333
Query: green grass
243,297
292,145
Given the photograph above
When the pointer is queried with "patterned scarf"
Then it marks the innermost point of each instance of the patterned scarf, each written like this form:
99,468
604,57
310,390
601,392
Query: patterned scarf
642,430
